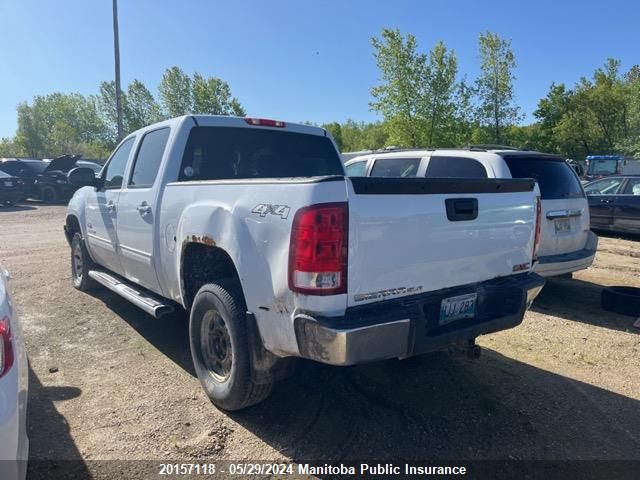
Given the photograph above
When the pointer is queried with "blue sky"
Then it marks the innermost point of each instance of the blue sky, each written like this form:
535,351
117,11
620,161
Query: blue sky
296,60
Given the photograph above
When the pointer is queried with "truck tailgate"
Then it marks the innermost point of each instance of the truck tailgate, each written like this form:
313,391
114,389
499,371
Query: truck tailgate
414,235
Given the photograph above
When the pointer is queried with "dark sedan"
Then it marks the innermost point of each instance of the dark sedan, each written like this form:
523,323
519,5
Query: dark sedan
614,203
11,189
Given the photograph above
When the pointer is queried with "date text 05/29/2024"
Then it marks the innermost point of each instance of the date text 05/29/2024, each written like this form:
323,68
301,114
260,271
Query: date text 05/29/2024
285,469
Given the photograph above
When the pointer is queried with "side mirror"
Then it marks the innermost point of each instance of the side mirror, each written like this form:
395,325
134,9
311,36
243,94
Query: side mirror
82,177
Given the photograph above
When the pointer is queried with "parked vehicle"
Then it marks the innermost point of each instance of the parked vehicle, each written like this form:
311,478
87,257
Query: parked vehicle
599,166
614,203
11,189
45,180
251,226
14,444
96,167
51,185
566,243
24,169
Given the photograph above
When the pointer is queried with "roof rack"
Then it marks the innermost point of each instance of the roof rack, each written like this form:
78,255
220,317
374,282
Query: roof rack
490,146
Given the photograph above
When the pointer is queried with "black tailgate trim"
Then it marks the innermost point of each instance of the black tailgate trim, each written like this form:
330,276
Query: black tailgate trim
425,186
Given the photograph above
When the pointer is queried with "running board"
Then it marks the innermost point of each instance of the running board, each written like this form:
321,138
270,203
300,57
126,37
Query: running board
144,300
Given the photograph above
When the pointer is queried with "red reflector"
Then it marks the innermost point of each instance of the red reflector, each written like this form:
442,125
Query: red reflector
265,122
318,250
6,349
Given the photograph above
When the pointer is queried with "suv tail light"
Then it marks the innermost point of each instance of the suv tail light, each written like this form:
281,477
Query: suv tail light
318,250
6,348
536,238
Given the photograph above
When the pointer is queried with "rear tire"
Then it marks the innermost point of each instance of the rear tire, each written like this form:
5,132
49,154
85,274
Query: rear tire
48,194
81,263
219,341
623,300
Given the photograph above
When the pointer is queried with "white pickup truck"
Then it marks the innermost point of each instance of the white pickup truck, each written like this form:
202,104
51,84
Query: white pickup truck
251,226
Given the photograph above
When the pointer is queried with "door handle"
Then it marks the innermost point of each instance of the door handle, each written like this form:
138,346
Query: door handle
605,200
111,207
144,209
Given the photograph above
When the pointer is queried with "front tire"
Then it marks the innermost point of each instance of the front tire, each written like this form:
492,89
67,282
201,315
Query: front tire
81,263
219,342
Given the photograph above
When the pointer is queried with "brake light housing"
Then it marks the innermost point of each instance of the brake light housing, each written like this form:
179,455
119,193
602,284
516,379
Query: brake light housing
265,122
536,238
6,347
318,249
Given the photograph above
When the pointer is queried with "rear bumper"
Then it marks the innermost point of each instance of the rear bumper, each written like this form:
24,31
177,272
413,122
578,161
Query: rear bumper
552,265
409,326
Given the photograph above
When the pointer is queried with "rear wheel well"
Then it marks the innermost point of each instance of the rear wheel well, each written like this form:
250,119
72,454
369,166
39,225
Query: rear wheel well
203,264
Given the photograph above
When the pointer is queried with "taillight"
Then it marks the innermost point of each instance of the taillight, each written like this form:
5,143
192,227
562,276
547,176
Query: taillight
6,348
318,250
265,122
536,238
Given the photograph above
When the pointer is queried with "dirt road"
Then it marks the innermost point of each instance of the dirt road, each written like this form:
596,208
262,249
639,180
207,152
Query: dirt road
563,385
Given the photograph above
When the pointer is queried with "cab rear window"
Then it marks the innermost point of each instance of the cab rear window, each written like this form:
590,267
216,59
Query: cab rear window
218,153
555,177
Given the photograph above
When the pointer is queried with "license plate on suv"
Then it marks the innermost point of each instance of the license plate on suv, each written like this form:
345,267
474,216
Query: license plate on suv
8,184
457,308
562,225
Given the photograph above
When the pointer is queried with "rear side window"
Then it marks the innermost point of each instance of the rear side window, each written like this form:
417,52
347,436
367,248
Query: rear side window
395,167
455,167
148,159
218,153
555,178
632,187
357,169
606,186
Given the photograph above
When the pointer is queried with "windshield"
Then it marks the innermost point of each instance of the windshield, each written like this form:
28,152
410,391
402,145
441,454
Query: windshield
37,166
602,167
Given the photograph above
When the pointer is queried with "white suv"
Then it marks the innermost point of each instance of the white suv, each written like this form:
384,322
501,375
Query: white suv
567,244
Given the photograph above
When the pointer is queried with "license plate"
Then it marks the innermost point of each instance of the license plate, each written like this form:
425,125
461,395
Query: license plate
8,184
457,308
563,225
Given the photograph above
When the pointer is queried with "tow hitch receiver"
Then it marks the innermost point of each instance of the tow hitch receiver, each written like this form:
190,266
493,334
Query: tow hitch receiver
468,348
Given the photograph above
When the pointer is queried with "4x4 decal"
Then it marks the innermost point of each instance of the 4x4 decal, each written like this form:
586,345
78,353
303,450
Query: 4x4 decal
263,209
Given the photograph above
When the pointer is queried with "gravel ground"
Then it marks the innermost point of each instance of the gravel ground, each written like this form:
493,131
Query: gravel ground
110,382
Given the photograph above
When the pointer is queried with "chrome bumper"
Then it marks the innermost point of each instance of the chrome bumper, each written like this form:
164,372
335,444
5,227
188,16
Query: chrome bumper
408,326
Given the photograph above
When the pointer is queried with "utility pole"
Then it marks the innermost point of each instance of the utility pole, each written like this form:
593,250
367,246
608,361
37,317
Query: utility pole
116,53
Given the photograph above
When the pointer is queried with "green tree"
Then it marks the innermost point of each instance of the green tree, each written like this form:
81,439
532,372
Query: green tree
400,98
630,145
463,122
58,123
335,130
213,96
440,78
141,107
550,112
106,105
358,136
176,93
494,86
